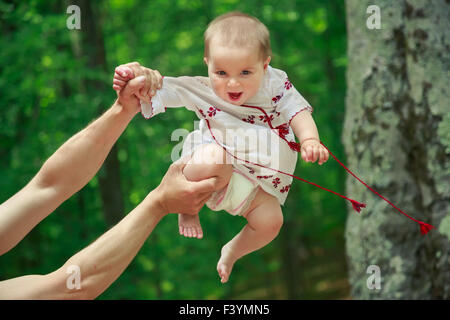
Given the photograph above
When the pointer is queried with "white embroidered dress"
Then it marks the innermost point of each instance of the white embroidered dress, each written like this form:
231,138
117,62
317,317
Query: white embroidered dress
244,131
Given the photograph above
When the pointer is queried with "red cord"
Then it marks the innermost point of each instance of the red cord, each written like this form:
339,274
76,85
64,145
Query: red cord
424,227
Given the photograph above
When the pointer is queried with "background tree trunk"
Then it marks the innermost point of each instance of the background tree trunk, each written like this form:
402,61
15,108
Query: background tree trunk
94,50
397,139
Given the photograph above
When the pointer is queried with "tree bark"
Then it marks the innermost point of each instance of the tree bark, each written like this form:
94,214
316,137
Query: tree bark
397,139
93,47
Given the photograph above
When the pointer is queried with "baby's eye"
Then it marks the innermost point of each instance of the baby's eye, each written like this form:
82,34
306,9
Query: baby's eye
246,72
221,73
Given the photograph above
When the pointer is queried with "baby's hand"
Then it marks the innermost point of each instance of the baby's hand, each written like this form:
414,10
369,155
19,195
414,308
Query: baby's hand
126,72
312,150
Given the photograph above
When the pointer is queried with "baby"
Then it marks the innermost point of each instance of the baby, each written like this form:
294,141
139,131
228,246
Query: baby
242,92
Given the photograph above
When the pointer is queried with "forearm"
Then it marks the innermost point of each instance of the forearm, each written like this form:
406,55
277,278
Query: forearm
100,264
63,174
79,159
103,261
304,126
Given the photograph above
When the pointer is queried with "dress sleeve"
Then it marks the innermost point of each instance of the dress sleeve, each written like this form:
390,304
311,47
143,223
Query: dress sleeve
173,94
287,99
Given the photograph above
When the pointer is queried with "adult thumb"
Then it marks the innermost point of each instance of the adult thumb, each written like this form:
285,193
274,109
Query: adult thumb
134,85
206,185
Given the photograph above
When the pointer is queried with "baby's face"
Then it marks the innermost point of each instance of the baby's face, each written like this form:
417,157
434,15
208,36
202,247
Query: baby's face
235,73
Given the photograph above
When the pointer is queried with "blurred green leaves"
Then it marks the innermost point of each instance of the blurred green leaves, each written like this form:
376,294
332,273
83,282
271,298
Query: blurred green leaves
46,99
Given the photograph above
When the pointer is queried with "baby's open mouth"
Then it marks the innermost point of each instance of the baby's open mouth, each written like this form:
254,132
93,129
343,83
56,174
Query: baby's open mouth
234,96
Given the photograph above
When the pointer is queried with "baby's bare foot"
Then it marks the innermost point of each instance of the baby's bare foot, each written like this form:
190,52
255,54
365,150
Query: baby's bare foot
189,226
225,264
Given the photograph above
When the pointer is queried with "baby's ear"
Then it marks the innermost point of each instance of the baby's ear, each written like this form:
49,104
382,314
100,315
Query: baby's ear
266,63
205,60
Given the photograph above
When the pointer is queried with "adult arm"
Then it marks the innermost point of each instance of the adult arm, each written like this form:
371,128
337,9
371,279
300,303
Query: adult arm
96,266
67,170
101,263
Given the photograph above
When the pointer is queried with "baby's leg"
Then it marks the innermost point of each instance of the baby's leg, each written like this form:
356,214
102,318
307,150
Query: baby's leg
207,161
264,219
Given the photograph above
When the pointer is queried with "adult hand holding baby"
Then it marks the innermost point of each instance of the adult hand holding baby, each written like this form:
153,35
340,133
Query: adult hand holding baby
142,81
177,194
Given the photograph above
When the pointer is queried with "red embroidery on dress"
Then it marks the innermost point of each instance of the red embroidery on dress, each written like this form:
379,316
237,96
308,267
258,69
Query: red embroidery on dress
285,188
357,206
264,118
250,169
277,98
294,146
287,84
212,111
250,119
276,112
276,182
283,130
202,113
264,177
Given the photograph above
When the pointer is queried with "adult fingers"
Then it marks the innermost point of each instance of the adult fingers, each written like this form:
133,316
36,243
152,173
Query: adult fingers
204,197
142,95
125,72
133,86
134,69
181,163
119,83
120,77
206,185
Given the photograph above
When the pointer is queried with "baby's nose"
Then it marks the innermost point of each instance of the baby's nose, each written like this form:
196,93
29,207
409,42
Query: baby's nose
233,83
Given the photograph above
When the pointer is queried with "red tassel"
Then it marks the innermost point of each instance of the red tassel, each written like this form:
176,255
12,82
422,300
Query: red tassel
425,227
357,205
294,146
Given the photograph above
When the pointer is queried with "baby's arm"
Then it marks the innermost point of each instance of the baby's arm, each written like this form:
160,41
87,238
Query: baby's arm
126,72
306,132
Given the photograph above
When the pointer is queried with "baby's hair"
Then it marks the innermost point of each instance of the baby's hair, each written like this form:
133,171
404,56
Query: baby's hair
240,29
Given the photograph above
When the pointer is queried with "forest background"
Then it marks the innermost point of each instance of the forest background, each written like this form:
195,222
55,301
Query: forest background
54,81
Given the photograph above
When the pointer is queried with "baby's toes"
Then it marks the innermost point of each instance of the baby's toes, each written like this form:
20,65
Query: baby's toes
223,274
198,233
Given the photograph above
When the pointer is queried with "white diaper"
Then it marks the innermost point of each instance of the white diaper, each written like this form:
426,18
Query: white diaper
236,197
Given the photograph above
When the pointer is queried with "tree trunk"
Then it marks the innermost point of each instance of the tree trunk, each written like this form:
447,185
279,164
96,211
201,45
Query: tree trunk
397,140
93,48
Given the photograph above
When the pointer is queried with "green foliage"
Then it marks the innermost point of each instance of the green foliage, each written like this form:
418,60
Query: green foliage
47,97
